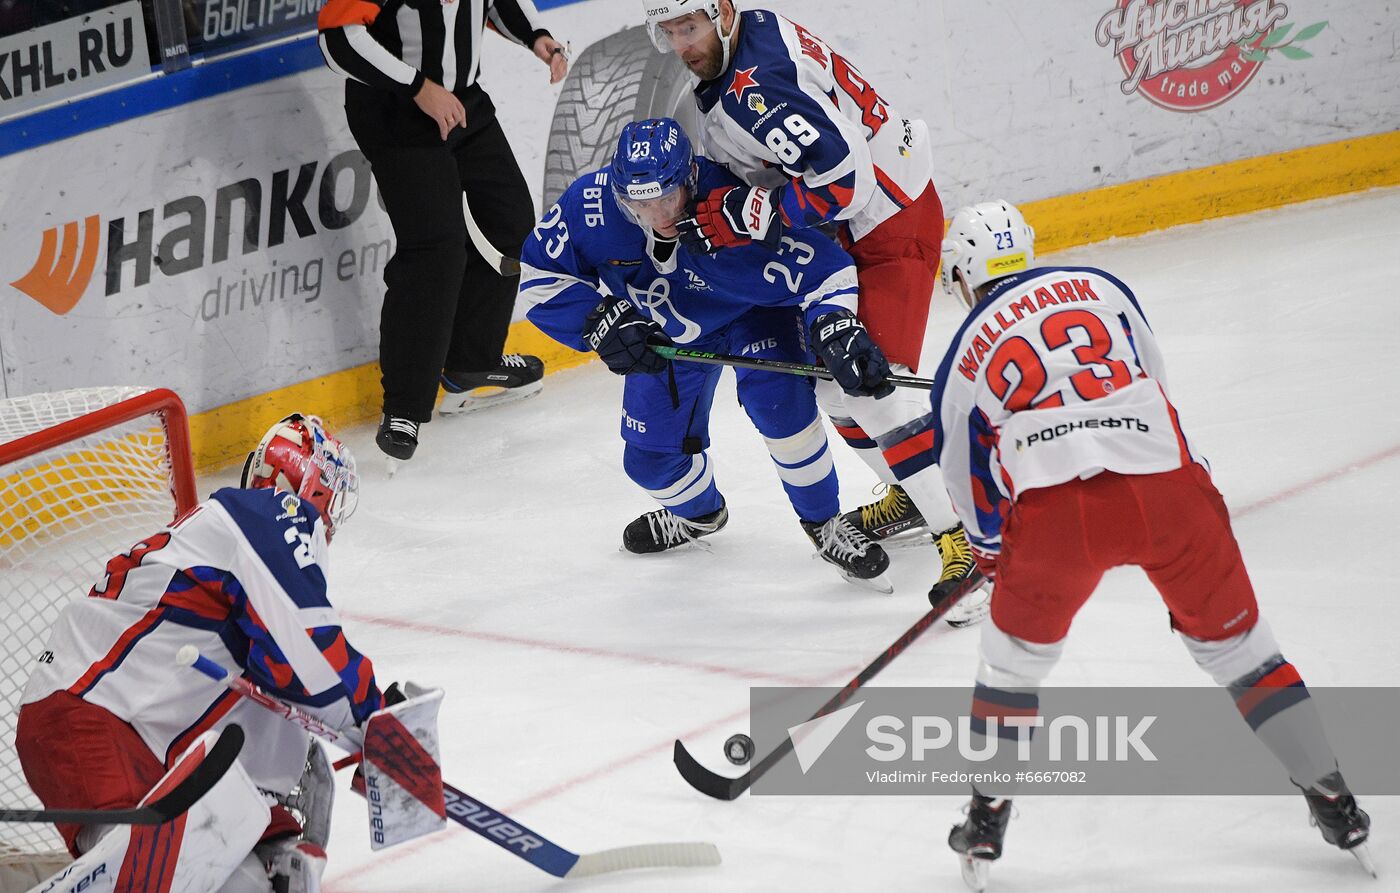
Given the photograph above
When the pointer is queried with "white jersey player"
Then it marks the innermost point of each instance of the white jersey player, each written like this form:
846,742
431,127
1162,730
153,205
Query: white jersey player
818,145
1054,417
242,577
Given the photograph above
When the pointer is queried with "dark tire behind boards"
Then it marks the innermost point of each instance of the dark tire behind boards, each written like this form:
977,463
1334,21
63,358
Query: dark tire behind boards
620,78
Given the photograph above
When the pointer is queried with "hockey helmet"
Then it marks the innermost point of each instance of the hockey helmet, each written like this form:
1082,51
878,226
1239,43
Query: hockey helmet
986,241
669,34
653,161
300,456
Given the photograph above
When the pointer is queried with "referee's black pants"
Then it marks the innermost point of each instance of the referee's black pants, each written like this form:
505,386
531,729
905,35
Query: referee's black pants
446,307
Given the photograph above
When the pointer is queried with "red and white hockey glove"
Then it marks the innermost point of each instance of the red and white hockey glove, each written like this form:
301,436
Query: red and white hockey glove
733,216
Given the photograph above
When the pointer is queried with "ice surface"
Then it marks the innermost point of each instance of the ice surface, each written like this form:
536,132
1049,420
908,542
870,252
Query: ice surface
491,566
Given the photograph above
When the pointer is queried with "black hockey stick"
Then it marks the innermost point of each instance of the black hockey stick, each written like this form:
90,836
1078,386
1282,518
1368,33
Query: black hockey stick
721,787
724,359
159,811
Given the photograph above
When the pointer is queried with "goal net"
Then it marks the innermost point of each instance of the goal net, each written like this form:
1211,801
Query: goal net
84,475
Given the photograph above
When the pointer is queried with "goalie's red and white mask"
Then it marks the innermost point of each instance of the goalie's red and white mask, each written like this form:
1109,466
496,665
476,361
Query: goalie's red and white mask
300,456
986,241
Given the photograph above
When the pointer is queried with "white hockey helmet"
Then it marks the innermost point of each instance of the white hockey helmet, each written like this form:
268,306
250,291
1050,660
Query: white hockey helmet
986,241
673,38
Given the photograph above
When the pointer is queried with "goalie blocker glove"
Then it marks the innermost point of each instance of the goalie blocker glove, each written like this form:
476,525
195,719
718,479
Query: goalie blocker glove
733,216
620,336
854,360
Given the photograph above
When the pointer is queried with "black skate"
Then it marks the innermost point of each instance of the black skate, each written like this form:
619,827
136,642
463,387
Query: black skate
660,530
516,377
1342,823
841,543
959,565
398,438
890,515
979,839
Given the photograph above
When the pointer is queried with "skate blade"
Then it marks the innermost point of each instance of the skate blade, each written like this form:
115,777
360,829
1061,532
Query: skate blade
880,583
1363,855
976,873
484,398
913,538
697,543
980,606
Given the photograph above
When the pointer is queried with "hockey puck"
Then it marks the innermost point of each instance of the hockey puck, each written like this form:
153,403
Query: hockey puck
738,749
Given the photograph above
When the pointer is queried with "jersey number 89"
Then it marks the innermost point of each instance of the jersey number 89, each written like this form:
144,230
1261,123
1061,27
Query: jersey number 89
787,151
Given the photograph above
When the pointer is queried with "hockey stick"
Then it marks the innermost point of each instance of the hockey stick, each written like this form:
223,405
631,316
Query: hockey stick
477,817
506,266
721,787
185,794
724,359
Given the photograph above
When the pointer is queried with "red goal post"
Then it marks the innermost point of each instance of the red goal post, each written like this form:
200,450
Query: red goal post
84,474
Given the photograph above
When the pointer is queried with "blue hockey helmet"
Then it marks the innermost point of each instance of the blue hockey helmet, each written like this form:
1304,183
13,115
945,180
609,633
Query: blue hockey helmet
652,163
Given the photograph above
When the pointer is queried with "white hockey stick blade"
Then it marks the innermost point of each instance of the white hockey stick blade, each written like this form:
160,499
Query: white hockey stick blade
647,855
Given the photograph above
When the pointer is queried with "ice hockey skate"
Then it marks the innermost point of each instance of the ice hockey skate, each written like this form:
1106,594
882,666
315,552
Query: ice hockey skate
1342,823
660,530
959,565
398,439
893,514
842,543
516,377
979,838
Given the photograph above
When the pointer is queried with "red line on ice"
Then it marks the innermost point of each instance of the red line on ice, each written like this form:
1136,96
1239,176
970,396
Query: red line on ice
565,648
1314,483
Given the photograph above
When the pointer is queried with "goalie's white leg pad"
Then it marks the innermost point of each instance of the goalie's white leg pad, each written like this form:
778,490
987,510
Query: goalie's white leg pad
313,797
403,770
195,853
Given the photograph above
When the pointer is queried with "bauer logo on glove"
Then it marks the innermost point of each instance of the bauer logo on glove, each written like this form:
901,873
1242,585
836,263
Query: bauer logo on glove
854,360
733,216
622,337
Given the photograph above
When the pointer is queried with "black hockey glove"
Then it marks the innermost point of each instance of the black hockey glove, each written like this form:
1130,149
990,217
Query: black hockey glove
620,336
856,362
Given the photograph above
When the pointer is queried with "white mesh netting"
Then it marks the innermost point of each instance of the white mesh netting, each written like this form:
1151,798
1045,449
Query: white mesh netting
63,513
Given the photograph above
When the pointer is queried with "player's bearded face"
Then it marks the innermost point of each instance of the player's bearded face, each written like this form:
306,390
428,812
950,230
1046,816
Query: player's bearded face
695,39
661,214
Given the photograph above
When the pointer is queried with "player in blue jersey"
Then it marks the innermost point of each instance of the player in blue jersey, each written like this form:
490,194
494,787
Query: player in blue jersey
816,144
614,231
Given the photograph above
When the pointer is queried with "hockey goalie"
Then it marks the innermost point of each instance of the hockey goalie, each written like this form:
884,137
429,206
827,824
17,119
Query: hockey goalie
107,712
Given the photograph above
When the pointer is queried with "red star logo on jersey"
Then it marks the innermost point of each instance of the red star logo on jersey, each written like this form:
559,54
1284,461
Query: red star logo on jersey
743,80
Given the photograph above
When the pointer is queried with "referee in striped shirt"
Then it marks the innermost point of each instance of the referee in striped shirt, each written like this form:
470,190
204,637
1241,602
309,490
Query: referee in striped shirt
430,134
